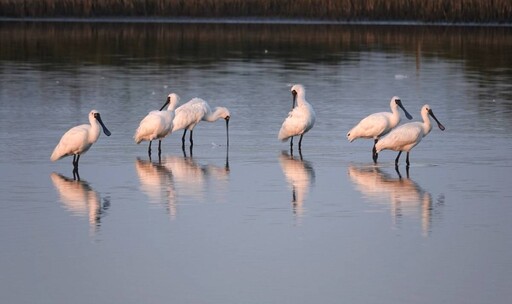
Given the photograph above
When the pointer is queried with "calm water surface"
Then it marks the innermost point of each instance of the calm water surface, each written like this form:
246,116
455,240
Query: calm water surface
253,224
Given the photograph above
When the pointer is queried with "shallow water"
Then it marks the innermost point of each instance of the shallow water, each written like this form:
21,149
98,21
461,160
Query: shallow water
251,223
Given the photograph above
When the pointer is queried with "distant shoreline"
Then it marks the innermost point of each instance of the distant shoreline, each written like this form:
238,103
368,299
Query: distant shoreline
320,11
245,20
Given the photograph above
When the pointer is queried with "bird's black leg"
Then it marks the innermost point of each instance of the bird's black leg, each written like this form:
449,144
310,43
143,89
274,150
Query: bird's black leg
159,150
300,142
76,176
75,173
191,141
183,150
397,158
77,159
407,160
183,139
75,167
398,172
149,149
375,155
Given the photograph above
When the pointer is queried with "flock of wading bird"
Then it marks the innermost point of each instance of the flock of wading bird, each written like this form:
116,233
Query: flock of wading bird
381,127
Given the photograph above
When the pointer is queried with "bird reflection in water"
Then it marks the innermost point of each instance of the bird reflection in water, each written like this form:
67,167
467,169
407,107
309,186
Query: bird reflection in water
80,199
176,177
405,196
300,175
156,181
193,179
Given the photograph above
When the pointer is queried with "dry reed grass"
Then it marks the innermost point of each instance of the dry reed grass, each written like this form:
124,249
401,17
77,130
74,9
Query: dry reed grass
380,10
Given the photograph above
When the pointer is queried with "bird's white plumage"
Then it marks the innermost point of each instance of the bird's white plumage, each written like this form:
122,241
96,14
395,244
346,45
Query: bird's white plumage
377,124
79,139
191,113
157,124
301,119
407,136
404,138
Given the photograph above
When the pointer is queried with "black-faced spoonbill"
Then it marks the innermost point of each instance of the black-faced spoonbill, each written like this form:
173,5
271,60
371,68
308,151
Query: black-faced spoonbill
77,140
300,119
157,124
191,113
407,136
379,124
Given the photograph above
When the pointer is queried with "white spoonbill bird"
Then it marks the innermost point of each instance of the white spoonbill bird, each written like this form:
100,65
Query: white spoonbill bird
300,119
157,124
77,140
191,113
407,136
379,124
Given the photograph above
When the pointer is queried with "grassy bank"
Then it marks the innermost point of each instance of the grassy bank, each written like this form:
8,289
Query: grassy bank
374,10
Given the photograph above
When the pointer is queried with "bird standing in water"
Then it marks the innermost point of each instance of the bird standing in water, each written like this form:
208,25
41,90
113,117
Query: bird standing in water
407,136
77,140
191,113
157,124
379,124
300,119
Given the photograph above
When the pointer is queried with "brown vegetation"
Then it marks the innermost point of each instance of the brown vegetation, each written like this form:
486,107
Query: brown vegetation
374,10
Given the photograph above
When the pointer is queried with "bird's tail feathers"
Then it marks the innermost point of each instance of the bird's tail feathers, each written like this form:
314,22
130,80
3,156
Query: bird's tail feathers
136,137
56,155
282,137
140,133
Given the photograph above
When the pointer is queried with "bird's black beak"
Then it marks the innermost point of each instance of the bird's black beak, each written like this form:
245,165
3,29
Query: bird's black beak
399,103
105,130
440,125
166,103
227,130
294,94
